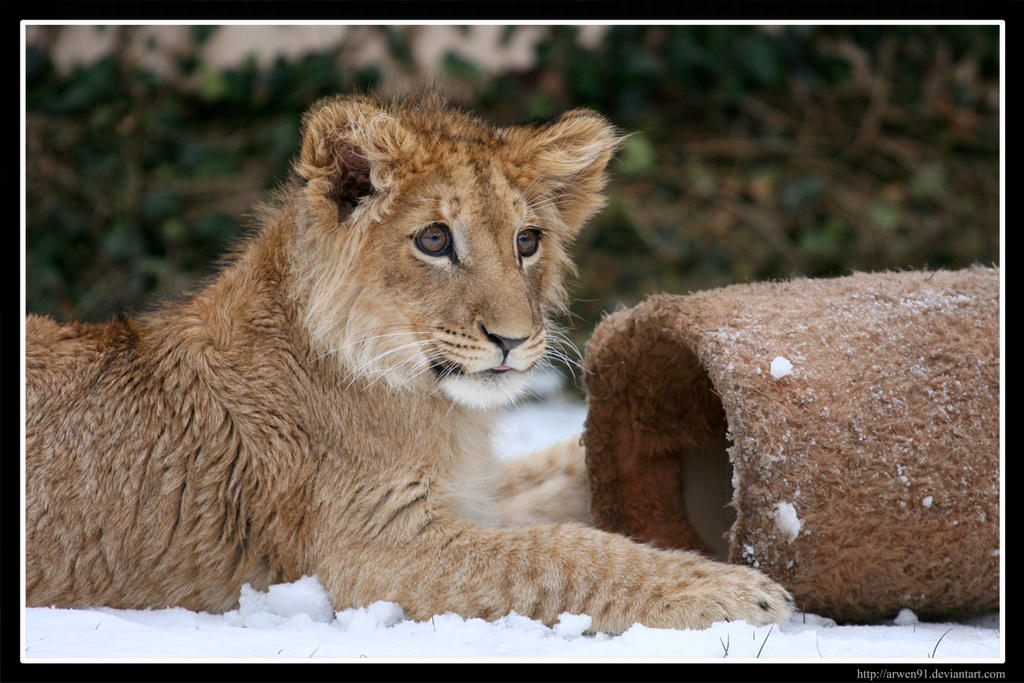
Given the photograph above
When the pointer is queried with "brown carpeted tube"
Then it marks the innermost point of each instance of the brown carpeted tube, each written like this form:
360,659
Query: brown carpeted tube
865,476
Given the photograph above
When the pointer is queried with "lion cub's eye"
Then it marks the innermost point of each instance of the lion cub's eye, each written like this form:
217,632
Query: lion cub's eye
435,240
527,242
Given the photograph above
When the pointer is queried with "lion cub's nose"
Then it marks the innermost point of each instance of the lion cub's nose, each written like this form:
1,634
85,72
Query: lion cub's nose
504,343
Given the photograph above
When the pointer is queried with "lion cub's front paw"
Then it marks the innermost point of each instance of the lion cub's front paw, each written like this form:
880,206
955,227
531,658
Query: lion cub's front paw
745,594
737,593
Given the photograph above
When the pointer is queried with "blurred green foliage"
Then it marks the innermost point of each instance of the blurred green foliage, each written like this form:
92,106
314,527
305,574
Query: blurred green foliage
757,153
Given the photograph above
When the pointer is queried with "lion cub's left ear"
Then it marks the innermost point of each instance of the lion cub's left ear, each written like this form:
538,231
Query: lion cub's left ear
571,155
349,145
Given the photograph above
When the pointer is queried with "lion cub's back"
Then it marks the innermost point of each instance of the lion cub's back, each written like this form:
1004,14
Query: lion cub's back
55,347
63,357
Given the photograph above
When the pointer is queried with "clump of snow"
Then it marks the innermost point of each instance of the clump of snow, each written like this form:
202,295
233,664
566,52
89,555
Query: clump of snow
750,556
927,501
571,625
378,615
780,367
283,601
786,520
905,618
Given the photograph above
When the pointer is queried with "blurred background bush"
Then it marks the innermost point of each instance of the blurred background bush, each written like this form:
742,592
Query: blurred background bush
758,151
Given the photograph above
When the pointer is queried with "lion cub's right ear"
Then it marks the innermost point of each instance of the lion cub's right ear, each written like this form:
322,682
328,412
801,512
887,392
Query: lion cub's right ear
349,145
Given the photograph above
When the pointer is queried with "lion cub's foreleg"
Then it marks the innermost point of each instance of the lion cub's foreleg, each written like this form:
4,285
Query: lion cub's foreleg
443,564
403,542
548,485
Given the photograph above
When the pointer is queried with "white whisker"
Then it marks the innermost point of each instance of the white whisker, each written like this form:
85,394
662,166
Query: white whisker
393,368
367,339
449,411
358,372
563,340
556,354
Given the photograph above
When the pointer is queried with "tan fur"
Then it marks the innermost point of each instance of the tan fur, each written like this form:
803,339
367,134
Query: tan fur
323,406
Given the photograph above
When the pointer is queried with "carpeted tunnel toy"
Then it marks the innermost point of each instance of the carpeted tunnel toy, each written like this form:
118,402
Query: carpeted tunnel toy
841,434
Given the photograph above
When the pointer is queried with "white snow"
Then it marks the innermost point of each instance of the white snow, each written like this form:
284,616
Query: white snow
786,520
571,626
780,367
927,501
294,622
378,615
905,617
283,601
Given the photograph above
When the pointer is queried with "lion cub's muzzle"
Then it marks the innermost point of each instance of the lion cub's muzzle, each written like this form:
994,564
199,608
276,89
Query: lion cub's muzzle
485,368
467,354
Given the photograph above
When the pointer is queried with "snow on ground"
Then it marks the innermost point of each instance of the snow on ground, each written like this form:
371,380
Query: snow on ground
296,622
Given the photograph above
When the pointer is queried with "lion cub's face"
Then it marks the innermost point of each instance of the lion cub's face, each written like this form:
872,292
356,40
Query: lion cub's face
438,244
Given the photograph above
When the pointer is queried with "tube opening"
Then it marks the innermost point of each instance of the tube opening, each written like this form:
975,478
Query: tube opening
707,492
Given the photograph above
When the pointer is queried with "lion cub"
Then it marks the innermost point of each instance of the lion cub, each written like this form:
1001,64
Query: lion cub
323,406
